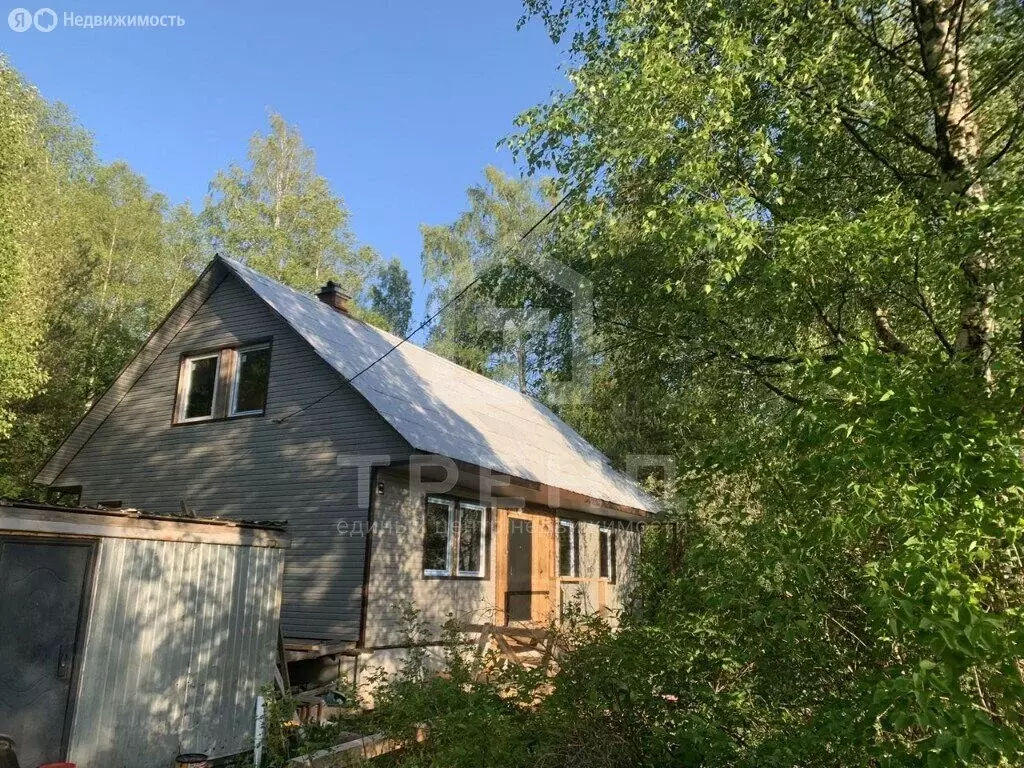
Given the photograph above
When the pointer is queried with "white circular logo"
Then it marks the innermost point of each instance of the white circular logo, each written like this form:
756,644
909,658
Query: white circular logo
45,19
20,19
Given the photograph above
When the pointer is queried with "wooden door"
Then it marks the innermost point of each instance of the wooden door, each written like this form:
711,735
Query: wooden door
525,567
42,586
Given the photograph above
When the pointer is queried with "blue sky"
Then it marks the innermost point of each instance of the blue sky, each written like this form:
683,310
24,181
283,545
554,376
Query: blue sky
403,102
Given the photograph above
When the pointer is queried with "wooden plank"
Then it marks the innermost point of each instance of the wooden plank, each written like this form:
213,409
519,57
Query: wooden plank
179,392
535,633
549,652
321,650
544,564
301,645
505,649
551,496
16,519
282,662
353,752
501,565
226,370
556,595
483,640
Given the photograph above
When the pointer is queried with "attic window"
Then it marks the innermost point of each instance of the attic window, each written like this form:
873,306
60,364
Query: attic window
223,383
200,374
249,384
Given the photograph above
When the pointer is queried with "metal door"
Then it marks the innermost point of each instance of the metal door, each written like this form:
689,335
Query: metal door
42,588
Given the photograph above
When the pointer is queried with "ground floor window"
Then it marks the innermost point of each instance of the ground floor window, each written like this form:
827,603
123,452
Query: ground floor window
607,546
568,548
454,538
470,524
437,532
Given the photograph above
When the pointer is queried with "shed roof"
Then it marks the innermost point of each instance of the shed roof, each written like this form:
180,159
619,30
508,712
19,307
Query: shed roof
442,408
30,517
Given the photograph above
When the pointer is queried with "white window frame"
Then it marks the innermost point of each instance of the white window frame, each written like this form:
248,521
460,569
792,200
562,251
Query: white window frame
186,370
482,543
574,569
609,552
236,375
448,537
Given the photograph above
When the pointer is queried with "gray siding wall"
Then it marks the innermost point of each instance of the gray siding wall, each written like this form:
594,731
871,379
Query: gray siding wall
177,318
252,467
180,639
396,571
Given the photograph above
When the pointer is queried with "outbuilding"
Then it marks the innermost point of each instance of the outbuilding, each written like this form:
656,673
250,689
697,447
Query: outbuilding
127,638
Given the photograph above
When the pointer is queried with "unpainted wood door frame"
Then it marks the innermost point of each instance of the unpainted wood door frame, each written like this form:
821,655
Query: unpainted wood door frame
543,561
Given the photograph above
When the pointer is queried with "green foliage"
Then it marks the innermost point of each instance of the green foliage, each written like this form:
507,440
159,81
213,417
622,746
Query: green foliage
391,297
88,279
802,224
514,326
91,259
281,218
279,710
22,207
458,696
285,739
638,696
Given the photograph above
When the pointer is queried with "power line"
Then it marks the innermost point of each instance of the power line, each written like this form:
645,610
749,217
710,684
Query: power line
465,289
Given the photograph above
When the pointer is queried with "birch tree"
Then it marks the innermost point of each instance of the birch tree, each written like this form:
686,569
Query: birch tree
514,325
280,217
87,271
23,183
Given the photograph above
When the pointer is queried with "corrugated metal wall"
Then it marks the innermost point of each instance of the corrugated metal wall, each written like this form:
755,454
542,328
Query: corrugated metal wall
180,638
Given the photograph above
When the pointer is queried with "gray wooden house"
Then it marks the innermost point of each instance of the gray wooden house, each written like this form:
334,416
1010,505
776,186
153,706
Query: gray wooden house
410,479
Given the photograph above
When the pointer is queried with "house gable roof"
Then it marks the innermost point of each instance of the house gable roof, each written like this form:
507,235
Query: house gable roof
440,407
437,406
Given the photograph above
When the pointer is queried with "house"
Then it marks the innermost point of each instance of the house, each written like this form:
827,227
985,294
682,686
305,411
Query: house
402,476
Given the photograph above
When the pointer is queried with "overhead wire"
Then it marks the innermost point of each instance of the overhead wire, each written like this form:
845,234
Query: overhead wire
433,316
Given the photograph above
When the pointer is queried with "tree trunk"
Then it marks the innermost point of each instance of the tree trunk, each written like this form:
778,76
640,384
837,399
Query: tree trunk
939,25
94,343
887,337
521,353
